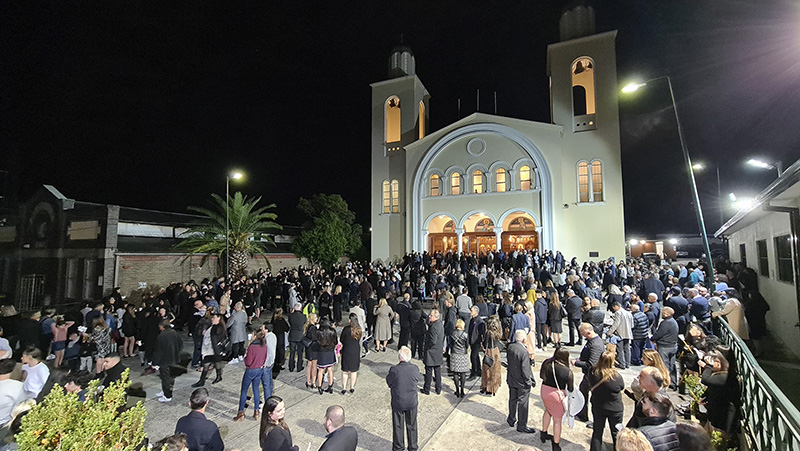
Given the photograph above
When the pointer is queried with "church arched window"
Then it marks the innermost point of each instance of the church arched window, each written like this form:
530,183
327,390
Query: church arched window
387,200
484,225
436,185
501,180
521,223
449,227
590,181
395,188
477,182
421,119
583,93
393,119
455,184
525,178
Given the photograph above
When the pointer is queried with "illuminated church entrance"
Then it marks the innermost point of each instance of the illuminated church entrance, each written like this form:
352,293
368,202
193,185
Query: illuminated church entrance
479,234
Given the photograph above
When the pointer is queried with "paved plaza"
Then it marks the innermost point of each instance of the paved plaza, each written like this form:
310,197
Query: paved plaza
444,421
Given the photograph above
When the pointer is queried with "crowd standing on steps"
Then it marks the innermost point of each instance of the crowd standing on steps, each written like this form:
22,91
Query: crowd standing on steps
461,312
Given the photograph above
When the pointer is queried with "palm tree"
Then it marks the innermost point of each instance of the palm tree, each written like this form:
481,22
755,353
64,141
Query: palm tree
248,234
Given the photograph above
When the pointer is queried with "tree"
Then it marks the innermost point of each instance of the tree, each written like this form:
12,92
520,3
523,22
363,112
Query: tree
330,231
248,234
62,422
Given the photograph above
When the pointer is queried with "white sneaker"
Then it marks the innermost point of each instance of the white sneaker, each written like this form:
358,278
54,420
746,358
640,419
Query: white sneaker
233,362
51,357
159,394
241,359
164,399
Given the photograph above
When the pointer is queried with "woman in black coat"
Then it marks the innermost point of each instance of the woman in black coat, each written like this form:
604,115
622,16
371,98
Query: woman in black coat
607,385
418,328
351,353
279,327
722,389
274,434
215,345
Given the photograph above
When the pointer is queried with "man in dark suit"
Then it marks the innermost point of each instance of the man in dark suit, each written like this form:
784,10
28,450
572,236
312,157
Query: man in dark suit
340,437
402,380
201,434
297,322
573,306
590,354
520,380
166,355
403,311
433,357
477,331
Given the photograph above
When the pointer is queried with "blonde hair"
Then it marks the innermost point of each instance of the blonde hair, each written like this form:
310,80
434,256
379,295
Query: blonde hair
460,324
312,319
655,358
632,440
382,303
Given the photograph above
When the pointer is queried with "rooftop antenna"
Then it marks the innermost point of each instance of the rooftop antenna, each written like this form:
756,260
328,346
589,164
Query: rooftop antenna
478,108
495,103
459,107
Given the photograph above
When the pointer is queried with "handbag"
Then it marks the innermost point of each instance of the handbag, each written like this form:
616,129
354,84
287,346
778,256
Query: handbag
488,360
564,400
225,347
307,342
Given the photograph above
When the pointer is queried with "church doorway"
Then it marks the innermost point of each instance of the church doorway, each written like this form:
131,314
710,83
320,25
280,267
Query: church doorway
442,235
519,233
479,237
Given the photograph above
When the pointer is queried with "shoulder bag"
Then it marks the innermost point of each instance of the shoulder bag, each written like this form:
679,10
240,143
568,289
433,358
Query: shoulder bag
564,400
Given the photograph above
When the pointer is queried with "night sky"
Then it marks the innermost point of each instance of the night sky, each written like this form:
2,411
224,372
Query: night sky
150,104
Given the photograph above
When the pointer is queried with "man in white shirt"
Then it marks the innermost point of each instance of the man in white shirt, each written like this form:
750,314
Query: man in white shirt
36,373
266,375
11,391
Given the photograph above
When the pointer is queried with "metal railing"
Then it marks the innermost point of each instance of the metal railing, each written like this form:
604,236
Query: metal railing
769,420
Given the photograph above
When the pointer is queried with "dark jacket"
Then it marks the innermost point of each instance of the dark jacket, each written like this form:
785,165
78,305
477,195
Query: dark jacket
343,439
450,317
574,308
596,318
641,325
434,344
590,354
201,434
606,396
661,433
477,330
402,380
418,326
297,320
519,367
168,348
278,439
218,334
540,310
666,336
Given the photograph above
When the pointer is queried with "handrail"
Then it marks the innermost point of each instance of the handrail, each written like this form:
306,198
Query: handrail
769,419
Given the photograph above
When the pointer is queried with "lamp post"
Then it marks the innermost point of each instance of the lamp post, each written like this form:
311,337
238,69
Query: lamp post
698,210
697,167
228,177
764,165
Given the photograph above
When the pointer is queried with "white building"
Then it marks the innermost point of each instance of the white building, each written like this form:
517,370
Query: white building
765,238
488,182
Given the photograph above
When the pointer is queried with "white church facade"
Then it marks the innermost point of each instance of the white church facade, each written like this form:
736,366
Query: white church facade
489,182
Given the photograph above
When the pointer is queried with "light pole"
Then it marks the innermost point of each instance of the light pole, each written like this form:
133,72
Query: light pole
698,210
228,177
764,165
697,167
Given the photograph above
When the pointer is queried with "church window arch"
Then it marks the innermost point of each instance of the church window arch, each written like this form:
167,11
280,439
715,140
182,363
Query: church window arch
455,183
386,196
590,181
478,187
395,192
421,119
449,227
435,185
521,223
583,88
525,178
393,130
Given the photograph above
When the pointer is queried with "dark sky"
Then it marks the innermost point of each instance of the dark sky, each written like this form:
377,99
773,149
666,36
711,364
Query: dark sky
149,104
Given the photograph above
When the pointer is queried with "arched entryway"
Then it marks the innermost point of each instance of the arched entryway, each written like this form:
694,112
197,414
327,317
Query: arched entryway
520,232
442,234
478,237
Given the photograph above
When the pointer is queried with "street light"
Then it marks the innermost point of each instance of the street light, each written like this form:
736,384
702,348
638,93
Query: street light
633,87
764,165
699,167
228,177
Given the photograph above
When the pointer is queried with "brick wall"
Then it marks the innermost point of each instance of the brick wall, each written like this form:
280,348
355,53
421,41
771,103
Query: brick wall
158,270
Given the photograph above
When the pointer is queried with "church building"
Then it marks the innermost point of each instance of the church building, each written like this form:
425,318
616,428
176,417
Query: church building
489,182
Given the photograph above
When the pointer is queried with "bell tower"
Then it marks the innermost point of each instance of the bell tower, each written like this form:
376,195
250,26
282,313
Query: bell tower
399,117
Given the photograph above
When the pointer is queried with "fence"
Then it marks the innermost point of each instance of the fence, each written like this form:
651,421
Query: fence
29,292
769,420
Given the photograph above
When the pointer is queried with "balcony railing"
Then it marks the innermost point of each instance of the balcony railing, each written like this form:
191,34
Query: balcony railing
769,420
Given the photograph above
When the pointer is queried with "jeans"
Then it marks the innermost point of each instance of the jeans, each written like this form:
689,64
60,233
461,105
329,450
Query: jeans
637,348
668,356
296,348
251,377
266,381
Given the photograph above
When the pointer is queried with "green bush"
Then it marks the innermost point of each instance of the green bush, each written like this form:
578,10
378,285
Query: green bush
61,422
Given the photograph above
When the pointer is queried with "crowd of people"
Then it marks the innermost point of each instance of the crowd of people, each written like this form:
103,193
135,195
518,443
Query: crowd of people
463,313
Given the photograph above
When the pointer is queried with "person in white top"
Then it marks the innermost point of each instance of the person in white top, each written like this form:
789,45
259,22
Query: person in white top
11,391
5,347
36,373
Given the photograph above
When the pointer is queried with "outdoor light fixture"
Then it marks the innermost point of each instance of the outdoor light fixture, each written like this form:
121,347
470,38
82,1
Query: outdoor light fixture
732,197
764,165
744,203
236,176
632,87
673,241
698,166
634,242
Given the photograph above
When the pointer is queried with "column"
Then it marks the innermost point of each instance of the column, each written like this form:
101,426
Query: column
498,234
460,234
539,237
425,244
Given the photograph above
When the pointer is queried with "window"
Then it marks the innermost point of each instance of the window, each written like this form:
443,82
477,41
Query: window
421,119
386,198
763,261
500,180
583,102
449,227
525,178
477,182
393,119
455,184
743,254
436,185
590,181
783,254
395,196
